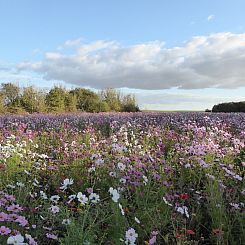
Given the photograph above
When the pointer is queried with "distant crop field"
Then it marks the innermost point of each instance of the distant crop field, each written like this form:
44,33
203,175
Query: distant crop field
122,178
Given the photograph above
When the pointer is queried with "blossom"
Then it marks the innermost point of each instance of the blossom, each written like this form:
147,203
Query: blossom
22,221
115,194
43,195
71,198
136,220
4,230
121,209
191,232
15,208
54,198
51,236
31,239
3,216
121,166
183,210
66,222
131,236
145,180
54,209
184,196
16,240
165,200
94,198
66,183
82,198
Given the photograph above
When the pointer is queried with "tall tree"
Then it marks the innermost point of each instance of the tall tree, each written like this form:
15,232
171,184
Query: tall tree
10,92
129,103
55,99
33,100
87,100
112,98
71,102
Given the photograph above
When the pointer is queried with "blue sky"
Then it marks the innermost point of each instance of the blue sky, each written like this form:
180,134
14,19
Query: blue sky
147,47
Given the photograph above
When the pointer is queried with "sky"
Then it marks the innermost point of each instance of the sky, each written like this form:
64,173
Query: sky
173,55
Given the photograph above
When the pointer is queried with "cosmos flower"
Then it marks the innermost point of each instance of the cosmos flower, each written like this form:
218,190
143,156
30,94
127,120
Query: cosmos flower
82,198
94,198
131,236
16,240
115,194
66,183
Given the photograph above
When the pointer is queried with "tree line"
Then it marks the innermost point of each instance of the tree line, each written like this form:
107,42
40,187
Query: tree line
14,99
229,107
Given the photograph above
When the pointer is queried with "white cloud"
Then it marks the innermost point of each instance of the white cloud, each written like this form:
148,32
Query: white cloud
210,17
213,61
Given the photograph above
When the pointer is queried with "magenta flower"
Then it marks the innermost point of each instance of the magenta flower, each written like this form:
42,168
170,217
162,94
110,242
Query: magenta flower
4,230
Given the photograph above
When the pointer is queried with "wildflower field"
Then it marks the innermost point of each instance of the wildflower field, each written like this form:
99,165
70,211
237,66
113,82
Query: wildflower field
136,178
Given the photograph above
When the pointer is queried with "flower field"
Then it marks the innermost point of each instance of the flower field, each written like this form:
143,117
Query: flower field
136,178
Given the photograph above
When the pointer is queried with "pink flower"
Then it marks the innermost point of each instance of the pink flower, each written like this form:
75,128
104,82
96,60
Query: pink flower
3,216
4,230
51,236
22,221
15,208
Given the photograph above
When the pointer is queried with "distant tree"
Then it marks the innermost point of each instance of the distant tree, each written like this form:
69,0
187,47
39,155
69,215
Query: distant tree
207,110
229,107
10,93
33,100
113,98
103,106
87,100
2,106
71,102
129,103
55,99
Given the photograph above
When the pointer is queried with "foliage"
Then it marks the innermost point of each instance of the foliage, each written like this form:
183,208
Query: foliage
230,107
59,100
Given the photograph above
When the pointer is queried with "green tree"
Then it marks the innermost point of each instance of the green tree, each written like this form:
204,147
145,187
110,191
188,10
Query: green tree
112,98
10,93
129,103
71,102
87,100
33,100
2,106
55,99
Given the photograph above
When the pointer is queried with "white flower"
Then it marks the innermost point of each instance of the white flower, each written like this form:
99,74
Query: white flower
20,184
31,239
121,166
145,179
92,169
122,180
136,220
71,198
122,211
165,200
66,183
55,198
82,198
43,195
54,209
66,222
11,186
94,198
17,240
131,236
115,194
183,210
113,174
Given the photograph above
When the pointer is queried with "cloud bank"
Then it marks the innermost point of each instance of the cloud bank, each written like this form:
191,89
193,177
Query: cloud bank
213,61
